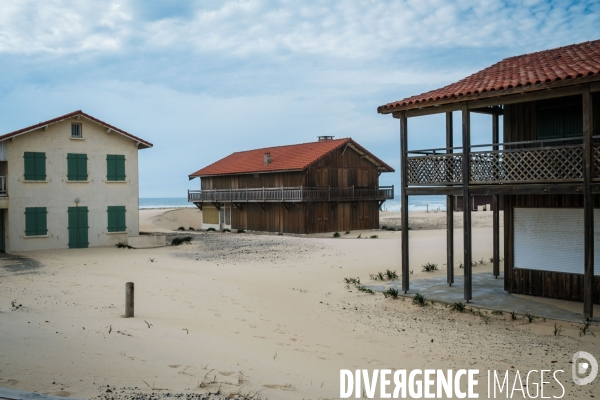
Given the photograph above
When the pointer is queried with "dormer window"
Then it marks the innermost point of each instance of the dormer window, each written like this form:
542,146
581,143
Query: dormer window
76,131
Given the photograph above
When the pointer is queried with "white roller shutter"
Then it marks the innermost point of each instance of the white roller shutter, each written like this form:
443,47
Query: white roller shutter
551,239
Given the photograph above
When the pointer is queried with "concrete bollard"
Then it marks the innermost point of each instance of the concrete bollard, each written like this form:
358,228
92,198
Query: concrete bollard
129,300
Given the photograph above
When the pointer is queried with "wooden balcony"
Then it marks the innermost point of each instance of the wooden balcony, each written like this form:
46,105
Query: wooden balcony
290,194
555,161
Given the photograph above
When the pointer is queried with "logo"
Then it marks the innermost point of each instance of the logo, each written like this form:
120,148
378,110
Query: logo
584,364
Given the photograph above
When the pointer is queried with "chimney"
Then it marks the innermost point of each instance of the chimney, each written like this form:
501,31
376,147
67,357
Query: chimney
325,138
267,159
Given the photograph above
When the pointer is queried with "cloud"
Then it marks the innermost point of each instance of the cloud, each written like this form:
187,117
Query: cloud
358,29
202,79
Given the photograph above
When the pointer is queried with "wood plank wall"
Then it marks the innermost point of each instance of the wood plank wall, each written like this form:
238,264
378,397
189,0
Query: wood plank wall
520,125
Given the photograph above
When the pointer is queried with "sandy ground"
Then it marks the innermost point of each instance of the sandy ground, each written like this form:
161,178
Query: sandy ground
242,313
168,220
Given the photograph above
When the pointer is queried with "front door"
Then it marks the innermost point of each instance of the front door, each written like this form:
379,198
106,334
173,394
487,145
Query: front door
78,227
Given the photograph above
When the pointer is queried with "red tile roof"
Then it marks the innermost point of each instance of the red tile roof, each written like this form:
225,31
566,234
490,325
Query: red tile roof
296,157
526,71
143,144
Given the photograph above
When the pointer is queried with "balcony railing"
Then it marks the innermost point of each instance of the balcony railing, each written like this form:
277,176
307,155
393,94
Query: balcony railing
3,191
547,161
289,194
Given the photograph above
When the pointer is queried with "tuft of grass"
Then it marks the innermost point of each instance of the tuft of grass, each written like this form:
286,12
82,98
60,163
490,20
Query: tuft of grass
460,264
365,289
124,246
531,318
491,260
497,312
481,262
241,231
388,275
557,329
359,235
384,227
391,292
211,229
191,228
513,316
226,230
181,228
181,240
411,271
429,267
347,232
354,281
419,300
585,329
336,235
280,234
374,236
485,318
458,306
391,275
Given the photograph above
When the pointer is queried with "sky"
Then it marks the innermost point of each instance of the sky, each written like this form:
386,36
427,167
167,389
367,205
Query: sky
201,79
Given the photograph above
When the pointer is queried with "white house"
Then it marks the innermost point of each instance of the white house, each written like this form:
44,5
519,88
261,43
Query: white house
70,182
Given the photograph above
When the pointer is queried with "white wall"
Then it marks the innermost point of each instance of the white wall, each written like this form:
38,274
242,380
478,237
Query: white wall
57,194
551,239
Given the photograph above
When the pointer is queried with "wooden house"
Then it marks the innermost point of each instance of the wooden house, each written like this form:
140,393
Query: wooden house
325,186
546,166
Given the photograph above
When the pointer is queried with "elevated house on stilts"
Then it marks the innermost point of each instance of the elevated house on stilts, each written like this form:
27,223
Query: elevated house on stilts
324,186
545,166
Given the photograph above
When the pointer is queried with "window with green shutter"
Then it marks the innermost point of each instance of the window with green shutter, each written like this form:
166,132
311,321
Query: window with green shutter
115,167
77,167
35,221
116,219
35,166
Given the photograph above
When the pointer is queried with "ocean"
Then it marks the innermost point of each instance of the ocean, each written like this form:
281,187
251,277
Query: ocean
415,203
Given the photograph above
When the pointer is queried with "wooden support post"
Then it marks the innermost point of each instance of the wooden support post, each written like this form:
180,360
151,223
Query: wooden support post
588,207
129,300
404,198
496,233
496,205
466,165
449,209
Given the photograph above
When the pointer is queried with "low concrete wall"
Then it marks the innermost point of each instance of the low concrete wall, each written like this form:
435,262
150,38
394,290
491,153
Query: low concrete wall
147,241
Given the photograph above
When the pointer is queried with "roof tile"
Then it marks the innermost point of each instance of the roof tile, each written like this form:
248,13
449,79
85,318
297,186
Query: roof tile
295,157
568,62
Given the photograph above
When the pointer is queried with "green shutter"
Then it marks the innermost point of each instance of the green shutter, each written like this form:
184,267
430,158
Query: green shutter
83,227
78,227
35,221
29,166
42,228
35,166
111,173
40,166
115,167
72,167
120,161
77,167
82,167
116,219
73,230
